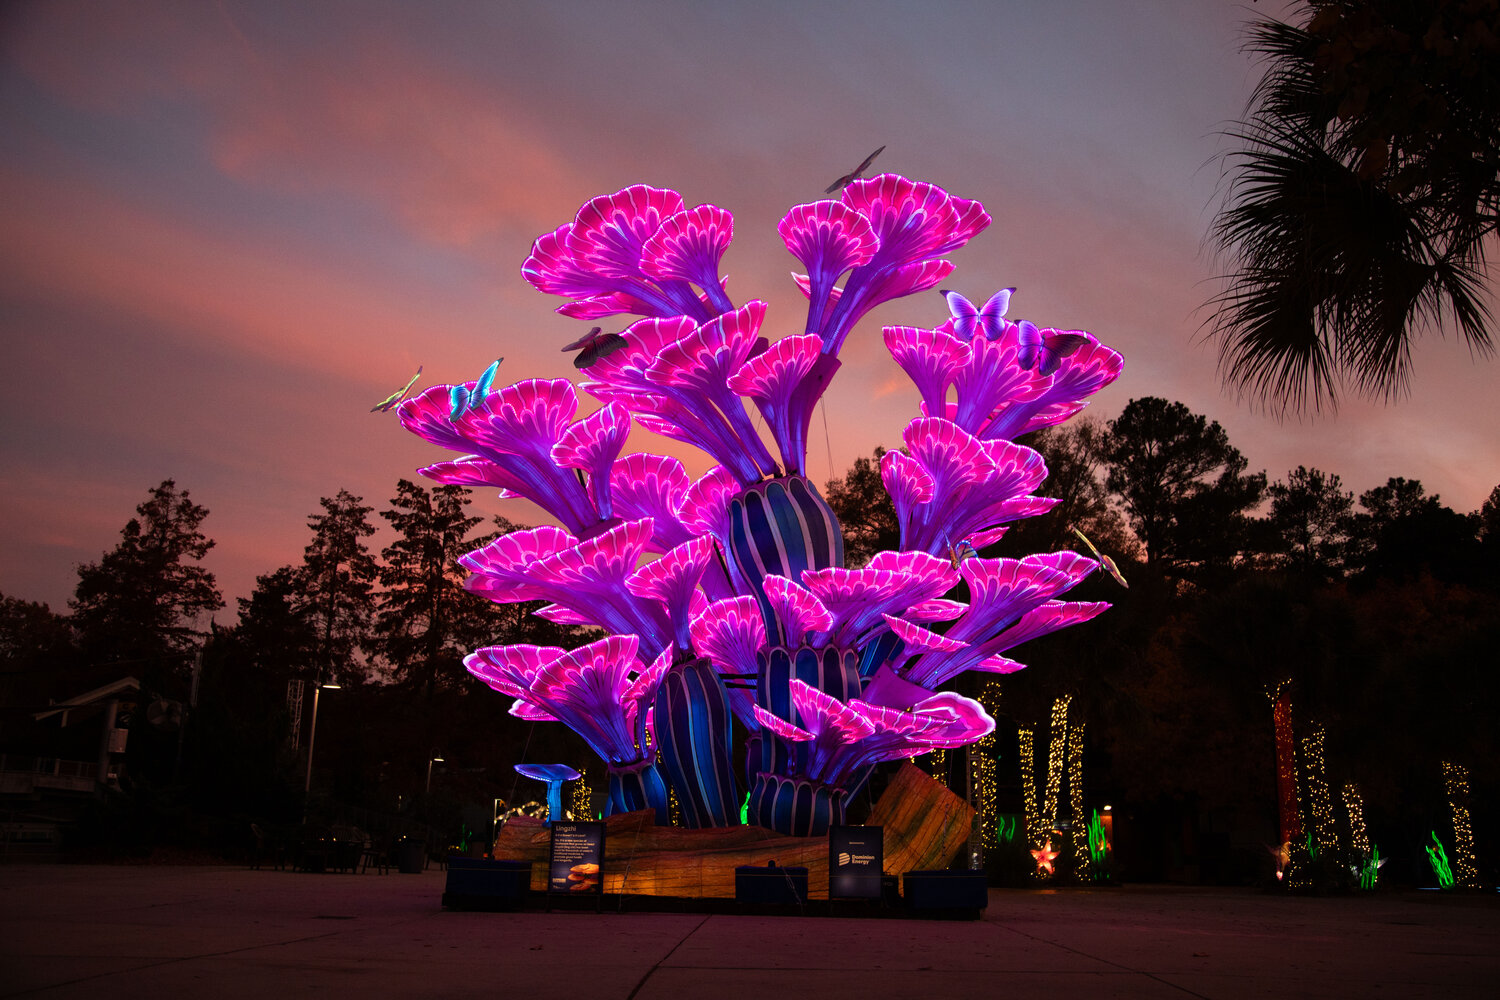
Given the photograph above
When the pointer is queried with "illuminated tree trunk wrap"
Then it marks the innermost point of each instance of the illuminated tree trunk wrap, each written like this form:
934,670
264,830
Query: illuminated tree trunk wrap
694,746
1320,800
1035,836
782,527
1456,780
1286,768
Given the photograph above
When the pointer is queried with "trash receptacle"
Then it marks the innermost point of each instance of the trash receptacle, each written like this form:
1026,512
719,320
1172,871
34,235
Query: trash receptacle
411,856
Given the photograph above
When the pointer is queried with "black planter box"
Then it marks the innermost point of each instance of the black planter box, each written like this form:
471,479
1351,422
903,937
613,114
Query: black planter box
478,884
956,893
768,885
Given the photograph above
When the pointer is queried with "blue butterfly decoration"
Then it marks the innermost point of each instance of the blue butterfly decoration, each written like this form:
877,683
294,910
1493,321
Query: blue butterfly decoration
462,399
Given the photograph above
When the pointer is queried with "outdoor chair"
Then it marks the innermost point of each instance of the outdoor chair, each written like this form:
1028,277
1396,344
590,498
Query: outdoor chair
377,853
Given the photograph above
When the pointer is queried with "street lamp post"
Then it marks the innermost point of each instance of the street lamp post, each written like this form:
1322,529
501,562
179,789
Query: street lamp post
430,761
312,732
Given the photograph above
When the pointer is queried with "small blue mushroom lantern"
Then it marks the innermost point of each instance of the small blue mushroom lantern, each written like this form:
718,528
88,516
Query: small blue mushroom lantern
554,775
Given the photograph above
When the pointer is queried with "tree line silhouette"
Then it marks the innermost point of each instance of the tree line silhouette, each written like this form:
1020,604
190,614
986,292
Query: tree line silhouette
1383,610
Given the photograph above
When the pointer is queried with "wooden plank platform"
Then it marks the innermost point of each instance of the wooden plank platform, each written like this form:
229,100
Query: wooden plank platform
925,825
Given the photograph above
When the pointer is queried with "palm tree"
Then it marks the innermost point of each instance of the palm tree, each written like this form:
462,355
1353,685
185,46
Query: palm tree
1363,189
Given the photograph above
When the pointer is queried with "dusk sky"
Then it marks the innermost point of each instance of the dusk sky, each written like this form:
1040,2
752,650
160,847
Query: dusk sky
230,228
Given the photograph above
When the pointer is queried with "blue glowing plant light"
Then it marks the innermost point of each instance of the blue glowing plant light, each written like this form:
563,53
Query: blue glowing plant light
727,609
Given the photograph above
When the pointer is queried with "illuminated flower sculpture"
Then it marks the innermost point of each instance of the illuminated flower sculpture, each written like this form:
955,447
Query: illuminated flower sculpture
726,600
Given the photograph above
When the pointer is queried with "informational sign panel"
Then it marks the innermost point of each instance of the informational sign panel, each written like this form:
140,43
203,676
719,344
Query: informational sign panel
856,857
577,860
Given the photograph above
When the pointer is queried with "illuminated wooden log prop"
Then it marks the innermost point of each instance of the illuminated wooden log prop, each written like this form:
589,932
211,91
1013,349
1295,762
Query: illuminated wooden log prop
924,826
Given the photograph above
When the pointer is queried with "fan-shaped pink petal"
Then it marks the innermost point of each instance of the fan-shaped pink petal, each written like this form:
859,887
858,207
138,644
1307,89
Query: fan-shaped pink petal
514,554
510,669
529,712
729,632
775,373
526,418
593,441
1018,470
953,457
689,245
643,485
798,611
821,713
604,306
1083,373
936,610
707,356
1001,590
970,219
704,508
908,279
828,237
907,482
911,219
1044,620
596,564
473,470
609,231
929,357
892,582
998,665
984,539
551,268
563,615
780,726
920,640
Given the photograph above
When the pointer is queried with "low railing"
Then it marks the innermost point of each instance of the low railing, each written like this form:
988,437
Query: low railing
24,772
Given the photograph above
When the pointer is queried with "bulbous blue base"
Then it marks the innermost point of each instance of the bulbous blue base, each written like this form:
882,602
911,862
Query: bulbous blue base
795,807
638,786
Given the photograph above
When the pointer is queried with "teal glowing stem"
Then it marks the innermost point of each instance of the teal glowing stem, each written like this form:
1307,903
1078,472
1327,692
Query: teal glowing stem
1439,861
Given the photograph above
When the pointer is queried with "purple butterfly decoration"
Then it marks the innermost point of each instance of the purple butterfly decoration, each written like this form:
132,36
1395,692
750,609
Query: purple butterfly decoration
1044,350
968,320
854,174
594,345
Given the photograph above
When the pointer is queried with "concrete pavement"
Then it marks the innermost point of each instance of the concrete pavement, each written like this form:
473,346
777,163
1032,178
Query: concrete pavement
159,931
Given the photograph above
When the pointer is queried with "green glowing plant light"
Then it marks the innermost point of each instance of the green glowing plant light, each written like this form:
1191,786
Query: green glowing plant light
1438,858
